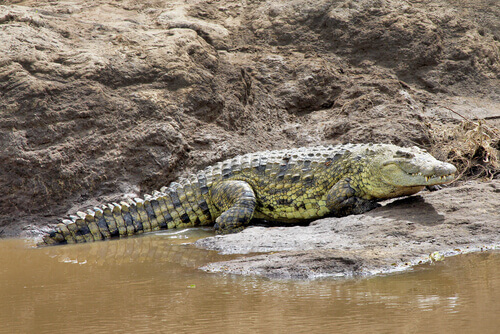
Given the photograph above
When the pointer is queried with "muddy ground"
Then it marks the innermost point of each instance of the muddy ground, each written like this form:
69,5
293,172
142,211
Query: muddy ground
100,100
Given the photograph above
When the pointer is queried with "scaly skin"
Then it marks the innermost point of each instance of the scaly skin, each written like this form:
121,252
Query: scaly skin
285,186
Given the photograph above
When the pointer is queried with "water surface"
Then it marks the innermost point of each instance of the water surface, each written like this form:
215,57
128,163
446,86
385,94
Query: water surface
150,284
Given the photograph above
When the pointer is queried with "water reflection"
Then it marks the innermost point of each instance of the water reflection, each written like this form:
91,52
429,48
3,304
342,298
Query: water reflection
150,284
174,247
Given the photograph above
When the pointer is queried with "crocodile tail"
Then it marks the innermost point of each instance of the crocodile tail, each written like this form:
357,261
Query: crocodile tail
180,205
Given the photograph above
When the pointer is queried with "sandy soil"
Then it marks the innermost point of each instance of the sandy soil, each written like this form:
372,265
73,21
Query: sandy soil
102,100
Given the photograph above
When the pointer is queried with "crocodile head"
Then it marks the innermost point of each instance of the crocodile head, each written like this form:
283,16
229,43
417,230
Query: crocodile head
405,171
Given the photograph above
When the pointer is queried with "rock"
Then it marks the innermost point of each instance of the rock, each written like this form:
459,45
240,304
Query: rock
401,234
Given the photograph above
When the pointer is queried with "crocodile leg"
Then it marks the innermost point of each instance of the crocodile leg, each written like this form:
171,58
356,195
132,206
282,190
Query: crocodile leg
342,200
236,200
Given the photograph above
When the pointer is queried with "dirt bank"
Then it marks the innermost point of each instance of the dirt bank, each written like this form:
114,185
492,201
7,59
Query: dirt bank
100,100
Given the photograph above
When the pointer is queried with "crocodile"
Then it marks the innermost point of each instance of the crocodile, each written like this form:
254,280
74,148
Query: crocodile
287,186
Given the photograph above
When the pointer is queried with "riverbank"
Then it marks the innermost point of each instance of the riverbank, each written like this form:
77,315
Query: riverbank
105,100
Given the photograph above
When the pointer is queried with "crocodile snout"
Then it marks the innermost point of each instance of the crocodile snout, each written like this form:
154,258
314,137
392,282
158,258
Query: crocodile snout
445,169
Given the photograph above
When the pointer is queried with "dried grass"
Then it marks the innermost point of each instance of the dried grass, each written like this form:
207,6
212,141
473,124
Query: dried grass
472,146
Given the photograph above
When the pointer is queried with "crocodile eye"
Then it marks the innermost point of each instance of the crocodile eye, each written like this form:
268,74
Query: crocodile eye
402,154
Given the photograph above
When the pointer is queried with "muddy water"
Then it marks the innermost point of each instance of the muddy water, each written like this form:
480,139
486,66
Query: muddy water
150,285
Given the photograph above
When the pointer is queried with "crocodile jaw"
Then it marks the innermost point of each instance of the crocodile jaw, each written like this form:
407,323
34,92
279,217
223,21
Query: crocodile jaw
432,179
